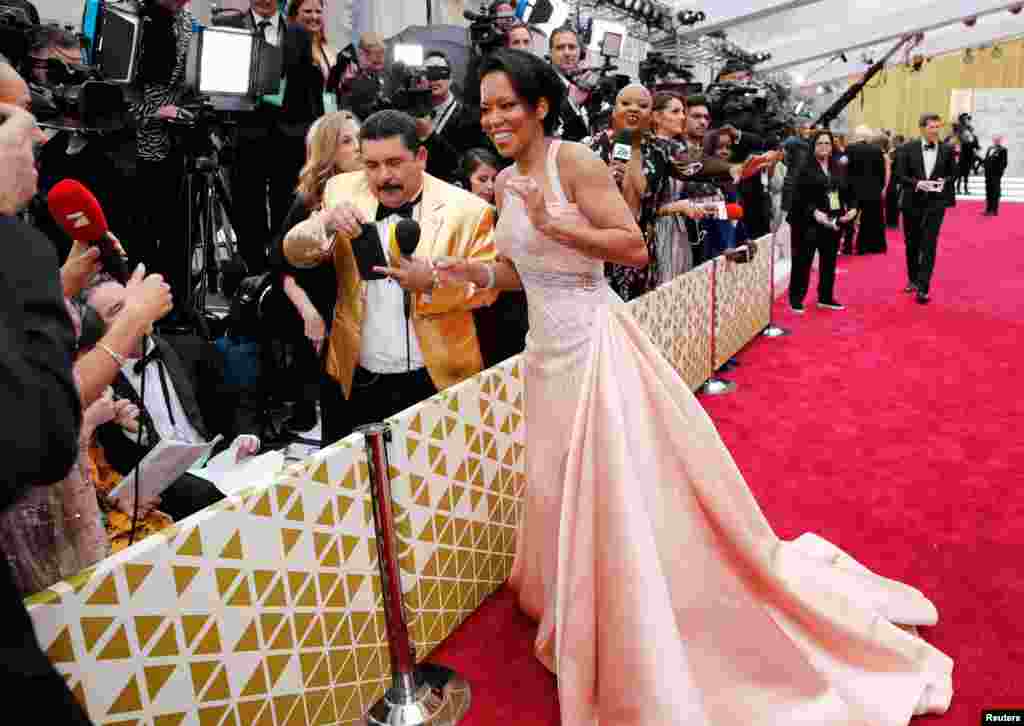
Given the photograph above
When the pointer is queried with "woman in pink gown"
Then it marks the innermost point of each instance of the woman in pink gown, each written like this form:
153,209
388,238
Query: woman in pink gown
663,596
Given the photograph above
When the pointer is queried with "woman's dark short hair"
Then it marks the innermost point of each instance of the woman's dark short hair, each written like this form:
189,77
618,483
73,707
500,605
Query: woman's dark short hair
389,123
473,160
531,78
818,133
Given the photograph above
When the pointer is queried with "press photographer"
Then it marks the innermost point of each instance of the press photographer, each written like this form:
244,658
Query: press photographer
574,121
270,139
455,125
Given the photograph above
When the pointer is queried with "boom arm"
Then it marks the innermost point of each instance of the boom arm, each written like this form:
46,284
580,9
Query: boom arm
830,114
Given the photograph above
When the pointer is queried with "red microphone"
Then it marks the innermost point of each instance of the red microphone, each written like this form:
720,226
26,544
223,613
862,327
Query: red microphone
78,212
733,211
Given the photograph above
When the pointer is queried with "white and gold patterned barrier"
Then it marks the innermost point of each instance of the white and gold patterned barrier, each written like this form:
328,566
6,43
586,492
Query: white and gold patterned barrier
677,317
265,609
742,301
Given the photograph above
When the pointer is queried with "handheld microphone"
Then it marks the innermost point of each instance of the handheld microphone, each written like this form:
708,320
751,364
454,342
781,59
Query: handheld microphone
407,235
622,148
80,215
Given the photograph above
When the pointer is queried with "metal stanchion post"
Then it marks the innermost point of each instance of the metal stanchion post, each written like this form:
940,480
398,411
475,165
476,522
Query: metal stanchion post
426,694
772,330
715,386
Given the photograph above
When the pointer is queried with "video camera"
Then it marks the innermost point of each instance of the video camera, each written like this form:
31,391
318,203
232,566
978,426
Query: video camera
760,107
407,88
655,66
487,30
602,84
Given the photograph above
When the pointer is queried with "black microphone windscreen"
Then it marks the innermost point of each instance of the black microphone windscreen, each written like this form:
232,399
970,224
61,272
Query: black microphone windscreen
407,233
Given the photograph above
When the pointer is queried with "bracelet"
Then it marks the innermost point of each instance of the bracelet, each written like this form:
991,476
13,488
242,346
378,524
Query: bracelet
118,358
490,276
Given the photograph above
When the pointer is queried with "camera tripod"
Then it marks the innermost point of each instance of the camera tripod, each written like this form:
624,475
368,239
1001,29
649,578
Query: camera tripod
210,238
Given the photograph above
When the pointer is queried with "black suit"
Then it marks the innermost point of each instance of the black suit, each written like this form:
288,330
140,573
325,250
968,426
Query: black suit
40,444
923,212
995,166
189,494
812,192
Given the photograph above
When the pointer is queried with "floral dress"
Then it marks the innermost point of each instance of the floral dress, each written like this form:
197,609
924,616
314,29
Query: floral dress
631,282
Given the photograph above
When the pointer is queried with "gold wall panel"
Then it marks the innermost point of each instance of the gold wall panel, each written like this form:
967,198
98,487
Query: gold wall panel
742,301
896,98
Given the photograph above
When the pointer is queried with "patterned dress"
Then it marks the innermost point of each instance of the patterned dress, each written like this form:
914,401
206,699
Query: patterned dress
631,282
152,136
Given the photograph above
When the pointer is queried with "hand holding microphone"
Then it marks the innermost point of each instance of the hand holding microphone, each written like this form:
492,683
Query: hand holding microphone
80,215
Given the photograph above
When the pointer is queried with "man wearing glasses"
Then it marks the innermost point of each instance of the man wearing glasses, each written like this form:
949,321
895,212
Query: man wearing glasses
455,128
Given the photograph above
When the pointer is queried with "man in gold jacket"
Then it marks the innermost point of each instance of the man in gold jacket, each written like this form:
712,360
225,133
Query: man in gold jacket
379,360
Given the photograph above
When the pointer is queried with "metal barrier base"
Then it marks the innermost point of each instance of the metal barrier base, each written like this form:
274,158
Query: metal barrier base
442,698
774,331
717,387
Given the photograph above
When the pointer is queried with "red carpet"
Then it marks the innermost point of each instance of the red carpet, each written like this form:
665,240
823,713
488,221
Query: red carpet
891,430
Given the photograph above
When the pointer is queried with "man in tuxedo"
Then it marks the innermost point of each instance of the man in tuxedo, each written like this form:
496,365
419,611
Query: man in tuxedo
919,164
400,339
255,175
574,123
175,396
995,165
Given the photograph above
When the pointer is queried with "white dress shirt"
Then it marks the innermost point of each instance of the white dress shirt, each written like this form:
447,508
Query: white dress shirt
160,410
385,328
273,33
930,157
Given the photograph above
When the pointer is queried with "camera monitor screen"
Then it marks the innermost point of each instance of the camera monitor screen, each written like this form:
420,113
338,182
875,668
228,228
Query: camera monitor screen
225,61
118,47
611,46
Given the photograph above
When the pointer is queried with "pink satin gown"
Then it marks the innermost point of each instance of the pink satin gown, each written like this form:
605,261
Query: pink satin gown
663,596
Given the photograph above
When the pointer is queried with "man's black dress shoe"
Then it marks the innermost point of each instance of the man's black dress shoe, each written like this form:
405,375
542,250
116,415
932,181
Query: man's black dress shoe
922,298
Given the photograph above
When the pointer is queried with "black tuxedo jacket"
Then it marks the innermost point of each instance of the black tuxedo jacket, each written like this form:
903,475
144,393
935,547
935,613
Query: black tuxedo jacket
120,447
909,170
995,161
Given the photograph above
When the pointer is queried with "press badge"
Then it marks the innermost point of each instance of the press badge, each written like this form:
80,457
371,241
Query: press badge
833,201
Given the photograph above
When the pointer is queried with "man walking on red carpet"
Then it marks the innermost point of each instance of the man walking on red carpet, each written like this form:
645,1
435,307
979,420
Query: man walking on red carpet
924,169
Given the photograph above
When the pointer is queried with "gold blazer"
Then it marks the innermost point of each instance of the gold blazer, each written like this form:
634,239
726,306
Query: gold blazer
453,223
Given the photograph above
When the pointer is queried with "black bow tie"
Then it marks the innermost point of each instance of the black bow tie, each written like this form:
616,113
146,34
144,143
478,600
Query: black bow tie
154,354
929,147
405,210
